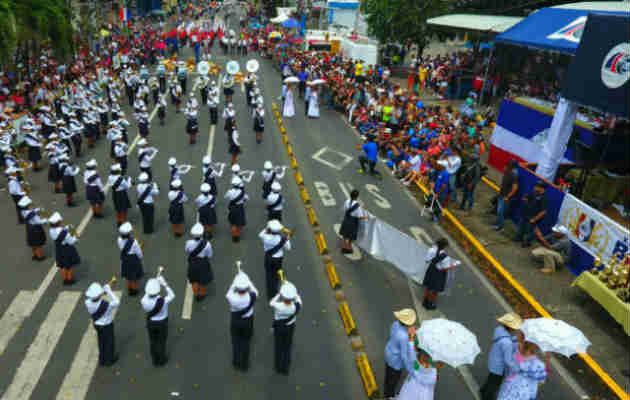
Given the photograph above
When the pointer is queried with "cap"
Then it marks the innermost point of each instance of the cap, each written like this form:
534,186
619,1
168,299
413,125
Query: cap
206,160
125,228
94,291
52,136
176,183
236,168
407,316
241,282
142,142
560,229
91,164
172,161
288,291
24,202
55,218
274,225
115,167
511,320
267,165
143,177
236,181
11,170
275,186
197,229
152,287
205,188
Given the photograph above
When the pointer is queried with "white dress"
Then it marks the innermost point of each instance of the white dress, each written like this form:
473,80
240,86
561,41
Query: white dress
289,109
419,383
313,105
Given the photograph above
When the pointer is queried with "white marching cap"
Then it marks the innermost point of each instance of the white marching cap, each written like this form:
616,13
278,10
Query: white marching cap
176,183
143,177
197,229
172,161
206,160
236,181
230,105
125,228
52,136
152,287
236,168
276,187
268,165
24,201
94,291
288,291
241,282
142,142
274,225
55,218
61,122
91,163
205,188
115,167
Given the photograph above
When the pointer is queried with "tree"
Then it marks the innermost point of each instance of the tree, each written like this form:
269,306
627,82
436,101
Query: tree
269,7
8,30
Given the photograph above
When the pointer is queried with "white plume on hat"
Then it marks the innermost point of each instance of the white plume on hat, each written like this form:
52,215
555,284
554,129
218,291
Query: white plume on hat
267,165
206,160
197,229
205,188
125,228
143,177
176,183
172,161
55,218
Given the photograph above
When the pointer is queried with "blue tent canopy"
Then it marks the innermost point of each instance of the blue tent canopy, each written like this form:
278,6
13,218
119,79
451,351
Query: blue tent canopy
555,29
290,23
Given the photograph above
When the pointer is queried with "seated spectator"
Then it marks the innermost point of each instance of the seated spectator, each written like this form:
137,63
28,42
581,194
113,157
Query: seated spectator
414,169
555,249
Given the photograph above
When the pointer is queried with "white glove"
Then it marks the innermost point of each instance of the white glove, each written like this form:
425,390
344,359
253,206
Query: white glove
162,281
107,288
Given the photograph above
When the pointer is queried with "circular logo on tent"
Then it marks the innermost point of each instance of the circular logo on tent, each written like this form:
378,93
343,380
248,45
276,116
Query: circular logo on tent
616,66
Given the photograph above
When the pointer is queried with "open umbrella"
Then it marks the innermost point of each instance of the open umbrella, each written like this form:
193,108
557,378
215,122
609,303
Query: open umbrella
318,82
290,23
291,79
554,335
448,341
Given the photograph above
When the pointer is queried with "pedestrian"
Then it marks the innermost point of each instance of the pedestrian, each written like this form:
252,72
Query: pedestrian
177,198
66,255
35,234
286,305
94,188
236,207
199,252
396,349
156,307
528,374
423,373
102,313
288,111
205,210
130,258
534,210
146,191
435,278
501,357
119,184
274,245
274,202
313,103
507,194
241,296
470,178
349,229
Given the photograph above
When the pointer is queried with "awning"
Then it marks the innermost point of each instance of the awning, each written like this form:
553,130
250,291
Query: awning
555,28
485,23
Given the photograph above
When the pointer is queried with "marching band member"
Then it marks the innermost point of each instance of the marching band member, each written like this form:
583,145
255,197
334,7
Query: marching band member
130,258
115,108
68,172
145,157
228,92
54,149
154,85
76,129
94,188
205,208
229,116
349,229
8,159
146,190
103,111
120,152
269,177
66,255
123,124
274,245
177,197
182,75
275,202
173,170
237,197
91,122
119,184
176,94
241,296
162,110
213,103
156,307
210,174
192,125
235,146
199,252
112,134
202,81
102,313
286,305
35,234
143,122
15,190
259,122
34,145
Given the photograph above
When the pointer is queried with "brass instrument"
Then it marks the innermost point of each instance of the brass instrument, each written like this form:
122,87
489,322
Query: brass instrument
287,232
159,272
140,242
72,230
278,169
214,69
190,64
238,266
26,187
239,77
43,213
184,169
112,281
282,278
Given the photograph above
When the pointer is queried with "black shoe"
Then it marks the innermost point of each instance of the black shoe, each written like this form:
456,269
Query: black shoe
99,216
71,204
236,239
42,258
425,304
208,235
58,190
65,282
178,235
430,305
525,245
346,251
71,282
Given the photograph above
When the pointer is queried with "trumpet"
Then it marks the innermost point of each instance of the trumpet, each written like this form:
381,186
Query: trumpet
140,242
287,232
43,213
184,169
238,266
159,271
72,230
112,281
282,278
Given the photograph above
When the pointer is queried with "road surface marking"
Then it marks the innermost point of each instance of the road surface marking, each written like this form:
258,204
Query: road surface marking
77,381
380,200
346,159
324,194
356,253
38,354
421,235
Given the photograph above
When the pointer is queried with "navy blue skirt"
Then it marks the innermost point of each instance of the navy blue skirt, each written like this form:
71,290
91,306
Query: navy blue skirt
236,216
199,270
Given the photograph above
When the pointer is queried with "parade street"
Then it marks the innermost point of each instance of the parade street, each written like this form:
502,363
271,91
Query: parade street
48,346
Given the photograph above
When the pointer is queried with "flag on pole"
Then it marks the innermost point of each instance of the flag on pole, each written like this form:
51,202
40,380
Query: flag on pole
124,14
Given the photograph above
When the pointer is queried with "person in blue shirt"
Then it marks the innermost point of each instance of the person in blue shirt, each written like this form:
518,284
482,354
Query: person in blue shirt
501,359
302,76
440,188
370,156
396,348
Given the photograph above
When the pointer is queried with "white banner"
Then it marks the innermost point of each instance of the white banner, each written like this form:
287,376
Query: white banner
384,242
594,232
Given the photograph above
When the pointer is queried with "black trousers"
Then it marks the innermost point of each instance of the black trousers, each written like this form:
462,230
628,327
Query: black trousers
16,200
272,265
242,330
106,344
364,160
158,332
148,216
214,115
490,389
283,340
392,377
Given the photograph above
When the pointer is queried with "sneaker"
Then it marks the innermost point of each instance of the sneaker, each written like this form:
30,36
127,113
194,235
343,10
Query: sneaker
361,171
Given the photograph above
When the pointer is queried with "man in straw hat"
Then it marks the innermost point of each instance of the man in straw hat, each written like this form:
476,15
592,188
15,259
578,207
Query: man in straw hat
397,345
501,358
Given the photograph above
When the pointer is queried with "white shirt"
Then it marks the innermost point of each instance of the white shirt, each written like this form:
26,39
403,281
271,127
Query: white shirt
452,164
153,192
108,316
124,184
34,220
203,199
192,245
234,192
172,195
148,303
68,240
15,187
282,310
267,174
146,160
70,170
271,199
270,240
135,247
239,301
445,263
97,182
120,149
358,213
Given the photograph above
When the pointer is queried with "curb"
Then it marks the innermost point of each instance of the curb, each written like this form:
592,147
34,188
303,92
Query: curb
350,328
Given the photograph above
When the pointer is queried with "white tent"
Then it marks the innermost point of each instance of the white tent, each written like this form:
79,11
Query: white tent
484,23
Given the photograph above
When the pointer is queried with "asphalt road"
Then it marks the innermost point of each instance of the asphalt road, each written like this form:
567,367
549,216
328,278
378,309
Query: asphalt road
45,331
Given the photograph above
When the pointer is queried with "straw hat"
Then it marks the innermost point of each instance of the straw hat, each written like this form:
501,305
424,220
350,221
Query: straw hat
407,316
511,320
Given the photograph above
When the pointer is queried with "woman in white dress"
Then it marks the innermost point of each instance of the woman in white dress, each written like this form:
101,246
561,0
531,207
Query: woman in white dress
289,109
313,103
422,374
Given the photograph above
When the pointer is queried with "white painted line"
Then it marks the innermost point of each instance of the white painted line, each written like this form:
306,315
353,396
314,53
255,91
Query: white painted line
380,201
324,194
356,253
77,381
20,308
188,302
38,354
421,235
339,166
345,190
